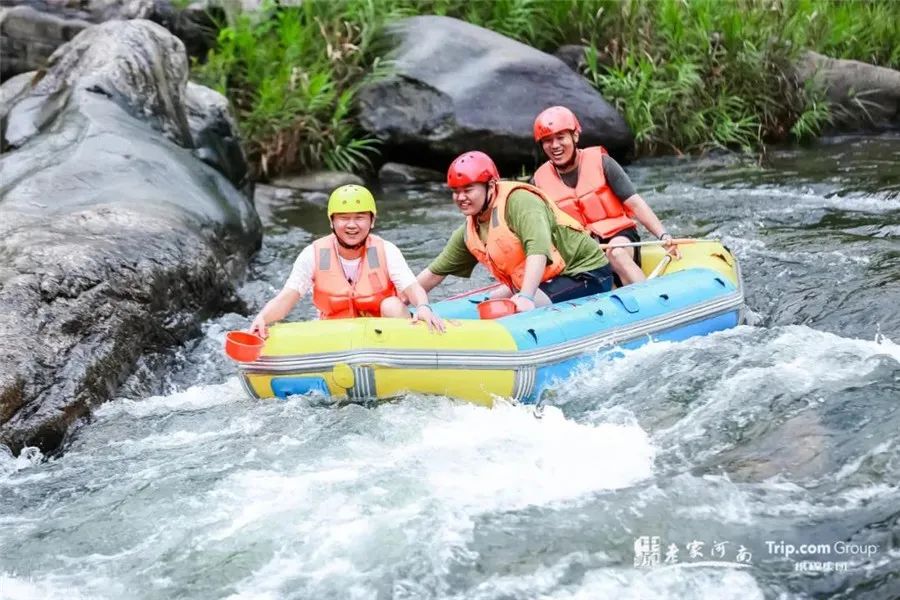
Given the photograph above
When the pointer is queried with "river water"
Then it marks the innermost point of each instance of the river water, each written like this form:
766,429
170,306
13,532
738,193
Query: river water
760,462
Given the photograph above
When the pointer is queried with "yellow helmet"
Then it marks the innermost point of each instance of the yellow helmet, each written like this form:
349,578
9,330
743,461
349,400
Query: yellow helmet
350,199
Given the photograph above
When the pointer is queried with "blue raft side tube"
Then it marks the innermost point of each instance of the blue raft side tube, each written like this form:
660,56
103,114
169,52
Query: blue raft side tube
615,316
578,317
547,377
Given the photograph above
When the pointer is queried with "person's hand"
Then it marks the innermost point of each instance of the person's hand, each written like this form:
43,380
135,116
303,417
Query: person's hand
523,303
434,322
258,326
670,246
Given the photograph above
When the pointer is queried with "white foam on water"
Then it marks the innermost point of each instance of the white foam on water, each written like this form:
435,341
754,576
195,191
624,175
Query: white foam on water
854,465
418,490
194,398
407,483
13,587
857,497
794,199
543,580
184,439
9,464
471,458
746,248
723,502
605,373
722,581
787,499
715,583
798,361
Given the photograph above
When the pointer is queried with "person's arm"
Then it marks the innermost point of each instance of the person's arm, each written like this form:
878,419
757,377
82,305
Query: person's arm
429,280
298,284
622,187
645,215
648,219
534,271
529,219
424,312
617,179
275,310
454,259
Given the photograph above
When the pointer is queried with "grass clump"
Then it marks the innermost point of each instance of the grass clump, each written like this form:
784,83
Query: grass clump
292,74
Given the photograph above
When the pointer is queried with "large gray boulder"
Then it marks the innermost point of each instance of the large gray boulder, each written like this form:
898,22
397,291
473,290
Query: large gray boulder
214,132
863,96
455,87
116,239
31,30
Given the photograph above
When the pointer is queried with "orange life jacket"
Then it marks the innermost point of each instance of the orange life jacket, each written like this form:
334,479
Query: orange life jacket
592,201
503,254
337,298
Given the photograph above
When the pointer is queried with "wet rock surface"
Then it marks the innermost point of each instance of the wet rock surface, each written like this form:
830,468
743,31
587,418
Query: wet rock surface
116,239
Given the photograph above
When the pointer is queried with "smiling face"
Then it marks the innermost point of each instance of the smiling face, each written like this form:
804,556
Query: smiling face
352,228
560,147
470,198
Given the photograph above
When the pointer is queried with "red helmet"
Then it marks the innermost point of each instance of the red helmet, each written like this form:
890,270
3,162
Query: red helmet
553,120
471,167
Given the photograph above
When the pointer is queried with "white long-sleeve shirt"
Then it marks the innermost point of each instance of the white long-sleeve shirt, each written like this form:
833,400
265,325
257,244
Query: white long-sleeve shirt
301,278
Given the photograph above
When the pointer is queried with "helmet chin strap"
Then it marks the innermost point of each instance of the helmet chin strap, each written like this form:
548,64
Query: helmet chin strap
487,200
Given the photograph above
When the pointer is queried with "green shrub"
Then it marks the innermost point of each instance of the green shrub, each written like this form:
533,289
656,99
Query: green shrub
292,74
687,75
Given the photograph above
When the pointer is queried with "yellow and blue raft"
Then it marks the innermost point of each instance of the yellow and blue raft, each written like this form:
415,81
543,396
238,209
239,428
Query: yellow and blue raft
516,357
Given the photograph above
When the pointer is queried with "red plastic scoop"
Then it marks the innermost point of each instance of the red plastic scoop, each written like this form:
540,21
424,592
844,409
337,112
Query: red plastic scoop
494,309
242,346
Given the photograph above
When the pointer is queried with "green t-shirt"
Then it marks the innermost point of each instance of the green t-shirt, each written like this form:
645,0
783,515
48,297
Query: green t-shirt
533,222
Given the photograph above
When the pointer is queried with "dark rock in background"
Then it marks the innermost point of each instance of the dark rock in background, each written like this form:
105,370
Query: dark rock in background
31,30
863,96
455,87
573,55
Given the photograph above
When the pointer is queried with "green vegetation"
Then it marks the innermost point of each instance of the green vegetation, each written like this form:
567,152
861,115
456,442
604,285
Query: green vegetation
691,75
688,75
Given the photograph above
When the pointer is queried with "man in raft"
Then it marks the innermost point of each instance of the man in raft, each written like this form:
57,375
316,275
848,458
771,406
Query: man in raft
591,186
352,272
539,253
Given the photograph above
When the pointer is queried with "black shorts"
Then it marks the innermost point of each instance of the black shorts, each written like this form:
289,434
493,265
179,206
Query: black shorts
569,287
632,235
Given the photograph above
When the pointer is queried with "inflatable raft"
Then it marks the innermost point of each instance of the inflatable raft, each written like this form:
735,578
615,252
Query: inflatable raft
517,356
